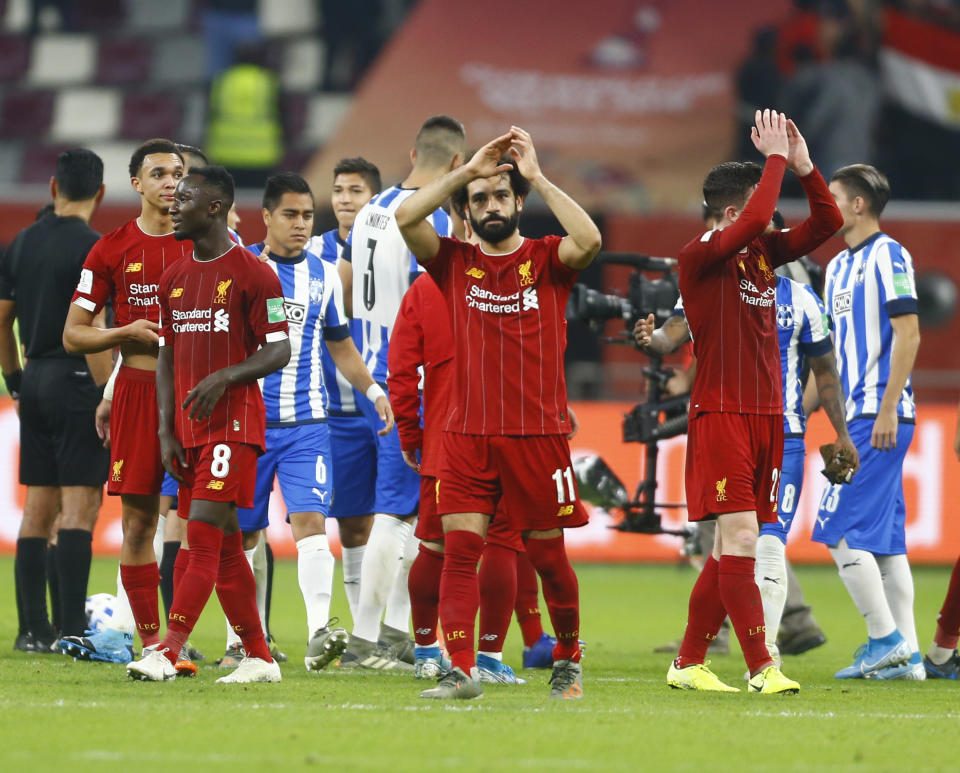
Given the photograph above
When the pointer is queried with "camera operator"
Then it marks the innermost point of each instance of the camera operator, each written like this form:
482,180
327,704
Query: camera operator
803,342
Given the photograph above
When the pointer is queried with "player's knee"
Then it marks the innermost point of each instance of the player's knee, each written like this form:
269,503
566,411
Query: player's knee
740,542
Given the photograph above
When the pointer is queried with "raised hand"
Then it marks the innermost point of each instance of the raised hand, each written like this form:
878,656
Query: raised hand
486,161
769,134
523,152
798,156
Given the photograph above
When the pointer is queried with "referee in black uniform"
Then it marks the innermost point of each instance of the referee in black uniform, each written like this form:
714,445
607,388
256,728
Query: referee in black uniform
62,461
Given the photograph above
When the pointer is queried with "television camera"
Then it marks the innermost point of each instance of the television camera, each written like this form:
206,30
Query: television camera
660,416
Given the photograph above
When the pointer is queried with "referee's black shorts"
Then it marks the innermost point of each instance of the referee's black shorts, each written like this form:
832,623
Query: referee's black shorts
58,440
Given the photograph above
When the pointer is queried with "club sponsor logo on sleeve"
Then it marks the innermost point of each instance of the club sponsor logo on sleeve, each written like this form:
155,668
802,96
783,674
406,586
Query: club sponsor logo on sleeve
85,285
275,312
901,284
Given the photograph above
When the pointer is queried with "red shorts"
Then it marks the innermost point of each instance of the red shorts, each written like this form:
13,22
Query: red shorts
532,475
135,466
219,472
430,526
733,465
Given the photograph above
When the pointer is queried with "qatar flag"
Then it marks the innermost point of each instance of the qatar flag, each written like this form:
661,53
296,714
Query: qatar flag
920,64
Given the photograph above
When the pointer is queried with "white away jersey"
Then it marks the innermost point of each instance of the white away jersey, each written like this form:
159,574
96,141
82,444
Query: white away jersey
865,287
383,268
313,302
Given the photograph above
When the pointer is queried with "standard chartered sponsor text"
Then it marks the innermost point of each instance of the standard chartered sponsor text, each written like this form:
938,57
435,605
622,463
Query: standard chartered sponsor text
484,300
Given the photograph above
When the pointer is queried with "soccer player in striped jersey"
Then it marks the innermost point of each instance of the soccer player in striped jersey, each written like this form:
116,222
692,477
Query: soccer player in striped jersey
355,182
506,436
871,298
298,443
377,267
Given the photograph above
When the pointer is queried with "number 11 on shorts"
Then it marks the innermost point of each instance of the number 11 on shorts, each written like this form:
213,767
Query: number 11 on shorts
559,476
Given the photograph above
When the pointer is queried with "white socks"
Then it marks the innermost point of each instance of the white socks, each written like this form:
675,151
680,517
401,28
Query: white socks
381,563
771,577
898,588
398,605
259,566
123,614
158,537
352,561
861,575
315,573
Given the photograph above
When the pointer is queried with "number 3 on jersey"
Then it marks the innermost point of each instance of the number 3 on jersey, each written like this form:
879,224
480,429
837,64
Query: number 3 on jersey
369,286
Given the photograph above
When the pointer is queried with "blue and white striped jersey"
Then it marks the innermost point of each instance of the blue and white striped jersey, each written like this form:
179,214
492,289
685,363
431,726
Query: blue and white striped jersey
864,287
803,332
313,302
383,268
342,399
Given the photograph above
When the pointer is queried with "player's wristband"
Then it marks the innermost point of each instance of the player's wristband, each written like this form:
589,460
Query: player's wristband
375,392
13,382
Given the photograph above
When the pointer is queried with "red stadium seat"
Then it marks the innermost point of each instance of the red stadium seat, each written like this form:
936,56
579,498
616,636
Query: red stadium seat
26,114
151,115
124,60
293,108
39,163
14,57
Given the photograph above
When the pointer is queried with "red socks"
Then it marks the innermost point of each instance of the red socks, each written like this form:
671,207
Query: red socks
460,595
237,592
528,601
180,565
741,597
948,621
498,591
141,583
705,615
191,593
424,586
562,594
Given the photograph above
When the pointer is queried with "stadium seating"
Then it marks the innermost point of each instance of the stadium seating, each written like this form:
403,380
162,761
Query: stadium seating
123,61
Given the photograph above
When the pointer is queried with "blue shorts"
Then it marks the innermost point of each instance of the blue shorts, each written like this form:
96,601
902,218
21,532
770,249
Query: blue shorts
398,486
169,487
354,461
791,483
870,511
299,457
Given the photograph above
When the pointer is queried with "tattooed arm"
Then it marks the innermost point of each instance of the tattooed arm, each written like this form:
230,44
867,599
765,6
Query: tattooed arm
830,392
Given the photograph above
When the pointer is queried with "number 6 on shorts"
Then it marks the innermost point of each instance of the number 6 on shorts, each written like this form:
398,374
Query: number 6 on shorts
220,466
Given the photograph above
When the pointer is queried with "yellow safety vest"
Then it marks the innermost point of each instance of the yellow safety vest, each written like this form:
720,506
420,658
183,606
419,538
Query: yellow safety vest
244,129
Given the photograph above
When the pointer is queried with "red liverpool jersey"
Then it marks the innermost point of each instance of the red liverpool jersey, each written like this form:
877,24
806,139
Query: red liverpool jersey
421,336
729,296
126,265
507,319
215,314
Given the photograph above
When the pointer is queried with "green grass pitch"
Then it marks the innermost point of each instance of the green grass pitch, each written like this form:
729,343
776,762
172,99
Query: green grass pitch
61,715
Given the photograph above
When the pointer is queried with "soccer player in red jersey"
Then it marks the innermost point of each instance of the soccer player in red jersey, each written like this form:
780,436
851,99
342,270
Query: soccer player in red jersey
735,438
217,308
124,268
506,435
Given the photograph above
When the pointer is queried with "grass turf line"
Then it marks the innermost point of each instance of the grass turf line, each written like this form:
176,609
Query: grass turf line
60,714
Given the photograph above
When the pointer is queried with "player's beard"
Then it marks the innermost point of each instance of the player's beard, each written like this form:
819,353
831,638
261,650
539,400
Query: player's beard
495,229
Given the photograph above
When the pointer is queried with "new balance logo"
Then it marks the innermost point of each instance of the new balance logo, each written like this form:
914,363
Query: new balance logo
215,485
489,637
176,292
423,631
221,321
530,299
131,267
476,273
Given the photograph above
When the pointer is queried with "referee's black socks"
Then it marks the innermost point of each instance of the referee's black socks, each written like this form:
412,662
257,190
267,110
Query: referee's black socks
74,551
31,568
